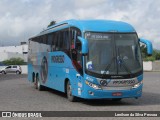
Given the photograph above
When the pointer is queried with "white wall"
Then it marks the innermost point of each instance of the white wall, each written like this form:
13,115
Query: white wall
147,66
24,69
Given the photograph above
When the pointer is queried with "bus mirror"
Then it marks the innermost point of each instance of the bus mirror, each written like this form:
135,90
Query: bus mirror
84,44
148,45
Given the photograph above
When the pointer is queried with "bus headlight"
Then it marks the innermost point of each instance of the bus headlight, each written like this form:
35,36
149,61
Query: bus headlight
93,85
137,85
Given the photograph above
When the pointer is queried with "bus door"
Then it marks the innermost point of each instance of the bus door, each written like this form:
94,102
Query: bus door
76,55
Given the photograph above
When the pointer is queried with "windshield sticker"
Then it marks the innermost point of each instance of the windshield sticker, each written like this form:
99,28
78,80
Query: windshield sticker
89,65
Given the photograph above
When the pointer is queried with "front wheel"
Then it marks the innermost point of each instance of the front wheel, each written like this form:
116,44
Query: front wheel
3,72
69,93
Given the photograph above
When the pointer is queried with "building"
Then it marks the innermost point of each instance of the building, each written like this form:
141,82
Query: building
7,52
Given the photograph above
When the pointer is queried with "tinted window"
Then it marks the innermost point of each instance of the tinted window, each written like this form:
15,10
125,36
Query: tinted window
55,41
8,67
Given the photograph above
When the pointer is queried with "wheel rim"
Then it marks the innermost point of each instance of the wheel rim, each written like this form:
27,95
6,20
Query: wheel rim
35,82
38,83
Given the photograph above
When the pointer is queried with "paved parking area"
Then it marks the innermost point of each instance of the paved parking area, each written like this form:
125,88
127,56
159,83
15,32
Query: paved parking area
17,94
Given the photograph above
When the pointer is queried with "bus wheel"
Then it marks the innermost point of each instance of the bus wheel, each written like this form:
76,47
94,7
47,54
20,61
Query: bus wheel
39,86
69,93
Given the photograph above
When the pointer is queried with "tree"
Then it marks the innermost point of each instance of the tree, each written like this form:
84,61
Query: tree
145,57
14,61
52,23
157,56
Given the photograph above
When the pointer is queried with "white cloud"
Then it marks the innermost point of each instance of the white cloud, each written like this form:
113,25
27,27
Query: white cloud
21,19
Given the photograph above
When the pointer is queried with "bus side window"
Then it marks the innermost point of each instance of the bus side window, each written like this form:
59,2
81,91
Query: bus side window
67,39
50,38
72,39
56,42
60,40
65,46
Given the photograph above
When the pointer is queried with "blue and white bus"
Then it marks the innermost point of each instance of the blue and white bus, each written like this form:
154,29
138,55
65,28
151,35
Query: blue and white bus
90,59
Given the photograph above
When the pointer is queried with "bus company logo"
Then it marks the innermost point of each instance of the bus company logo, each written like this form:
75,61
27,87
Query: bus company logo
58,59
124,82
44,69
105,82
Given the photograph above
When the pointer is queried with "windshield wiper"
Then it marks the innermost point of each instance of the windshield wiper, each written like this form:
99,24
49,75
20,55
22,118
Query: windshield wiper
108,66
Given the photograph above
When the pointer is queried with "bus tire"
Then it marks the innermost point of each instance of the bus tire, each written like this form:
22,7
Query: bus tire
70,97
39,86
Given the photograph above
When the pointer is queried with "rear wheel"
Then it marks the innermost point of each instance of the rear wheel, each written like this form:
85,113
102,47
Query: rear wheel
69,93
18,72
39,86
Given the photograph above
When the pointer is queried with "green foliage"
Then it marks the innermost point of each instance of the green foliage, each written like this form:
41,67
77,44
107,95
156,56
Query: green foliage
155,55
149,58
14,61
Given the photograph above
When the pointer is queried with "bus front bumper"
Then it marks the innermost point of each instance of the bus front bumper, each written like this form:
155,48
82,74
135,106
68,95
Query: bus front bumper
90,93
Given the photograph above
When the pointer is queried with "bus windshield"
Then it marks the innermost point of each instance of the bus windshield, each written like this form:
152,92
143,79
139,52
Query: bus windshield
113,53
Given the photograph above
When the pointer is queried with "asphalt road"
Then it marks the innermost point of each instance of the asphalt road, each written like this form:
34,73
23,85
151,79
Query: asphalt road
17,94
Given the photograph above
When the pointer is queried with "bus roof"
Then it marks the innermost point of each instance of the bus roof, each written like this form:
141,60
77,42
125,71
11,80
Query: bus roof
92,25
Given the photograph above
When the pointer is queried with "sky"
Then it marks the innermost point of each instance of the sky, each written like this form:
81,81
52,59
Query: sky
22,19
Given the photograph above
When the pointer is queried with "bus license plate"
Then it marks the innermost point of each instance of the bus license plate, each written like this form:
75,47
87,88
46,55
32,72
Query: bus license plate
117,94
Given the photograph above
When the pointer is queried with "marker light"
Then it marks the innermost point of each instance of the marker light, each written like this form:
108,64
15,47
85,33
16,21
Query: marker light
93,85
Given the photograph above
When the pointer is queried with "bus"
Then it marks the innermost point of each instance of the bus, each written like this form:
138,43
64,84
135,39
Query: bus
89,59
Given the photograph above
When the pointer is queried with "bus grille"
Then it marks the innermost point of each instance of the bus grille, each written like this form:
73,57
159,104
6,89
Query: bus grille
117,88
